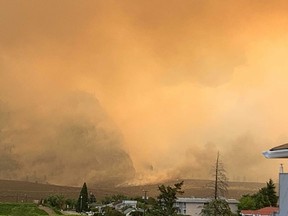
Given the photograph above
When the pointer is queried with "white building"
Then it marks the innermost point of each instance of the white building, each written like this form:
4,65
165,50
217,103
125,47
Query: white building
126,203
281,152
194,206
283,194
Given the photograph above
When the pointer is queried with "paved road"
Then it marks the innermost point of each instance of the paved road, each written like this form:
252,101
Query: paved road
48,210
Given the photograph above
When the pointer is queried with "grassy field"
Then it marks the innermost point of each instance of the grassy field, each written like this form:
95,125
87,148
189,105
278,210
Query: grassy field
20,209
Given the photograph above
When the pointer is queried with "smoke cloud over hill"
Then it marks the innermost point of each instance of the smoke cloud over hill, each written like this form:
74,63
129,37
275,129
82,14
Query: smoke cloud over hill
141,91
68,142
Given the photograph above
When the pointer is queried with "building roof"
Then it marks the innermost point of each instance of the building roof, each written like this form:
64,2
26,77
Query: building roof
128,211
202,200
284,146
261,212
277,152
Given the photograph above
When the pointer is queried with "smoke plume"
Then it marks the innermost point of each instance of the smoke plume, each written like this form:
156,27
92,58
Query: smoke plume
141,91
68,142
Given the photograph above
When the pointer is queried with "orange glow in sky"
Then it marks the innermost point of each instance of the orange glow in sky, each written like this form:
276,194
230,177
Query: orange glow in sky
180,80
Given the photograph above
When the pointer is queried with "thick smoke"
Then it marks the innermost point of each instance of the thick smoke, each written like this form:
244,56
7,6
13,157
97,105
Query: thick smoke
180,80
68,142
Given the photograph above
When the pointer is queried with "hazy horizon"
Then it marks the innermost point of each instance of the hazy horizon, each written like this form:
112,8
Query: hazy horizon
141,92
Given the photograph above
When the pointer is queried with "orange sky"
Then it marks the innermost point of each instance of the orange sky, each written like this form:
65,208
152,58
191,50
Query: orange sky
181,80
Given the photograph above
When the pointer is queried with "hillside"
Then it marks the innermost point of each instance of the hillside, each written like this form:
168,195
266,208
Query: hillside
18,191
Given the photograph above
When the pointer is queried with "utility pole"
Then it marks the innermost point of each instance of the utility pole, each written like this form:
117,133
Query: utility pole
145,196
216,177
81,203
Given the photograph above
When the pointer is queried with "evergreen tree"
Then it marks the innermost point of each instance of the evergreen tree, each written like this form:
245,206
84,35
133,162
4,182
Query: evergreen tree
261,199
216,207
265,197
82,203
92,198
271,193
166,200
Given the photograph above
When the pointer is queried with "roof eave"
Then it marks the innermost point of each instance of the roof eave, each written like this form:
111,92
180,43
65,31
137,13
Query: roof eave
283,153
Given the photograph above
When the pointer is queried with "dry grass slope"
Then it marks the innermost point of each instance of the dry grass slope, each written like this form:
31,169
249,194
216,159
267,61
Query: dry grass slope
20,191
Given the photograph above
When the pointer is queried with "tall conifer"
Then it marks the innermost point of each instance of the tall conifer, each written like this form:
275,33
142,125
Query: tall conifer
82,203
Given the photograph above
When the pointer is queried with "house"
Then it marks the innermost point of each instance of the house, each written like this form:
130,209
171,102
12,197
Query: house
193,206
267,211
126,203
129,211
125,206
281,152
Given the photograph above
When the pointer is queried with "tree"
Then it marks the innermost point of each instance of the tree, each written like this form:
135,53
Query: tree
217,207
220,180
92,198
265,197
136,213
270,192
247,202
108,211
82,203
261,200
166,200
56,201
114,198
70,203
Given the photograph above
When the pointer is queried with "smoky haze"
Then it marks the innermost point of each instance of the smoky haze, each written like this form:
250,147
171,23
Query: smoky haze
67,142
141,91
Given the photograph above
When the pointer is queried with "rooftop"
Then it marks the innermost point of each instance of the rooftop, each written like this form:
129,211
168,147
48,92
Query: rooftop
263,211
277,152
202,200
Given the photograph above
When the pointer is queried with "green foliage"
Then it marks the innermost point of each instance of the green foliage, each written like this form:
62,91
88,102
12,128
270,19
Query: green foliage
270,192
253,202
136,213
70,203
166,200
114,198
266,196
247,202
216,207
82,203
107,200
55,201
57,211
111,212
92,198
17,209
59,202
121,197
261,199
145,204
151,201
